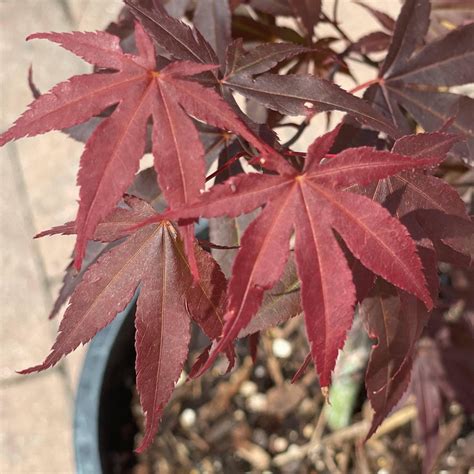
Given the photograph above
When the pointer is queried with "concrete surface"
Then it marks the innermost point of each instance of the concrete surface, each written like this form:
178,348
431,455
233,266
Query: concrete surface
38,191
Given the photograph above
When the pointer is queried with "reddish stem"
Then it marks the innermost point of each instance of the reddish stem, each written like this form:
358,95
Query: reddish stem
210,245
226,165
294,153
377,80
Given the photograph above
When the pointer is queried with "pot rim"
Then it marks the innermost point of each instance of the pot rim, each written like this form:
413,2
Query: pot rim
88,395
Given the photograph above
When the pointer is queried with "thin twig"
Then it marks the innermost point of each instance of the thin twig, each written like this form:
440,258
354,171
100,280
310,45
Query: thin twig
226,165
290,124
301,128
334,11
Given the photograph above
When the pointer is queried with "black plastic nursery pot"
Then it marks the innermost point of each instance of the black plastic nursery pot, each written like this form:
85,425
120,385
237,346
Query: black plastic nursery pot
104,427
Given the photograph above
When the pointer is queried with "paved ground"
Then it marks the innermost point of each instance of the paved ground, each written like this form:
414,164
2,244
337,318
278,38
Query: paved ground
38,191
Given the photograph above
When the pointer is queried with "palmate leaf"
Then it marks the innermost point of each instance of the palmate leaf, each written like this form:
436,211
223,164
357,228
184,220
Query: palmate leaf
72,277
152,261
308,12
113,151
413,82
253,30
410,28
117,225
144,187
396,320
177,38
212,18
313,204
428,206
372,43
442,372
427,369
260,59
385,20
291,94
176,8
446,15
273,7
302,94
279,304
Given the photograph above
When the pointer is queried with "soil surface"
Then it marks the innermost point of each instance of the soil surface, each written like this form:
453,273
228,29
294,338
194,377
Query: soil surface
254,420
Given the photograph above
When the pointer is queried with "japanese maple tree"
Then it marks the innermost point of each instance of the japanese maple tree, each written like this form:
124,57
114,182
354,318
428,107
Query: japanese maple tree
363,217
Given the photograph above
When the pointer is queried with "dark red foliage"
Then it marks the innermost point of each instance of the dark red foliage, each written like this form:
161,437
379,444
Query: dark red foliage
412,77
300,202
362,217
396,320
443,369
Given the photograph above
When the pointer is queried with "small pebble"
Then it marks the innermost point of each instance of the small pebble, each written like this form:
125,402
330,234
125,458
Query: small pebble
187,418
257,403
254,455
239,415
461,442
260,371
455,409
279,444
413,449
308,431
320,466
294,448
307,407
260,437
451,461
282,348
248,388
293,436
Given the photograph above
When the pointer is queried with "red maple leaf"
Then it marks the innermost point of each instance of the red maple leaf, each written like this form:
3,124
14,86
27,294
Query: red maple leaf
313,205
442,373
428,206
396,320
415,79
140,92
152,261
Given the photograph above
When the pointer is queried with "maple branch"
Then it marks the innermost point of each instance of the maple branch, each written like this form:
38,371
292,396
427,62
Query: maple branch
289,124
337,27
245,146
335,24
334,11
300,129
